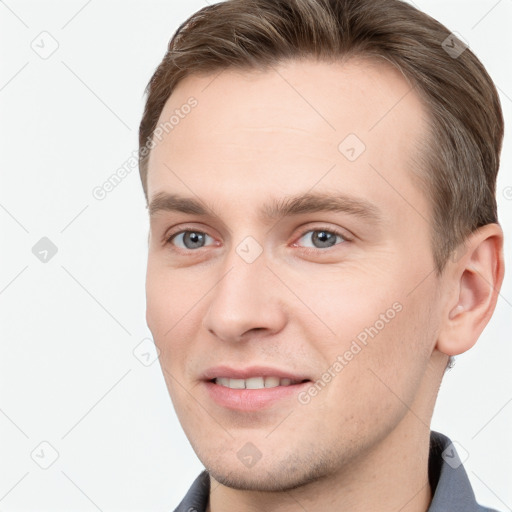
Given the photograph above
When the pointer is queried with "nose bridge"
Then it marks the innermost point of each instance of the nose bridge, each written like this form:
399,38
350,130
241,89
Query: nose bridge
244,298
244,268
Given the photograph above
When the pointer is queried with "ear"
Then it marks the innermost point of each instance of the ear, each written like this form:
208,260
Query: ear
472,288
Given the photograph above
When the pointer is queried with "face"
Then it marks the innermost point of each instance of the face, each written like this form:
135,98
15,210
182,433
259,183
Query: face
306,257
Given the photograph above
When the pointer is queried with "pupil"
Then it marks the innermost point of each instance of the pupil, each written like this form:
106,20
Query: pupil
324,238
194,238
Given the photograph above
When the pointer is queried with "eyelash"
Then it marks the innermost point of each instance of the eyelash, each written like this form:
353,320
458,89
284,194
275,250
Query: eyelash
169,239
332,231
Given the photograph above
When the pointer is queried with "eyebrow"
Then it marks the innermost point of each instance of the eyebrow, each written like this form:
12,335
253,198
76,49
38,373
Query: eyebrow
275,208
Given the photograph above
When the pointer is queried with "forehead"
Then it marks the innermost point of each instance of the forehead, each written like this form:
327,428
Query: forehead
286,127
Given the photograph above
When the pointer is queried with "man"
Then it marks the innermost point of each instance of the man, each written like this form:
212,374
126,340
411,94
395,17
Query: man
320,176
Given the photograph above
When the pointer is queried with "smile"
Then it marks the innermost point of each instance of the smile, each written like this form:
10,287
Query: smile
254,382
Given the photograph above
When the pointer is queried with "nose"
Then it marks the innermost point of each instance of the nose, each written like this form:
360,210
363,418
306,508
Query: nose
246,300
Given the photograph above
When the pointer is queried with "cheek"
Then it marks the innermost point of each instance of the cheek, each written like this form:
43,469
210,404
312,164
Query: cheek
339,300
398,347
379,377
166,304
175,306
169,315
354,304
383,333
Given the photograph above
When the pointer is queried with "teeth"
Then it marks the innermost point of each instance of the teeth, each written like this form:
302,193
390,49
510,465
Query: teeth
272,382
236,383
254,382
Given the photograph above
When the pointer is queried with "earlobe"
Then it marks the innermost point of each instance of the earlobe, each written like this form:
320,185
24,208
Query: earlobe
477,277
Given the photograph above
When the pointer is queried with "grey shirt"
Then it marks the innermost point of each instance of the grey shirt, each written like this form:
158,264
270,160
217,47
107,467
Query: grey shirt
451,489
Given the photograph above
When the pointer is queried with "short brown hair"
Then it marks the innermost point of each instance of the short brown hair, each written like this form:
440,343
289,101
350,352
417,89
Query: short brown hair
461,163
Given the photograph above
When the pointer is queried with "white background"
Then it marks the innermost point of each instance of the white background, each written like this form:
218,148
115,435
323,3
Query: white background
68,374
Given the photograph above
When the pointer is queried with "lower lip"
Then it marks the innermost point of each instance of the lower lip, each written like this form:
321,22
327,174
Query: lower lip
251,399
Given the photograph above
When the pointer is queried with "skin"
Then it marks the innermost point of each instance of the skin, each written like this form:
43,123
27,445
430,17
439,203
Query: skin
362,442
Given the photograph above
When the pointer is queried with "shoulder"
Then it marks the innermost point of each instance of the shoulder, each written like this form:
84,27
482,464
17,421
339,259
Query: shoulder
451,488
197,496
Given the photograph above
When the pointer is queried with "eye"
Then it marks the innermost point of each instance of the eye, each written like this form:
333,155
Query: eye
322,238
189,239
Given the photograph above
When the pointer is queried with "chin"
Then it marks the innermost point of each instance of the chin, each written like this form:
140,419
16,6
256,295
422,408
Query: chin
263,481
276,476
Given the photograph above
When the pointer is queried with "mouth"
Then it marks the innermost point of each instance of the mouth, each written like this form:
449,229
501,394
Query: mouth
263,382
252,389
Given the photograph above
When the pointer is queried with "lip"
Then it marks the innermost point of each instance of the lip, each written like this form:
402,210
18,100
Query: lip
251,371
251,399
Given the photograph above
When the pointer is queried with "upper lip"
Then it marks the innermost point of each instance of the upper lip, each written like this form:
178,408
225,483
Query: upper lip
250,371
